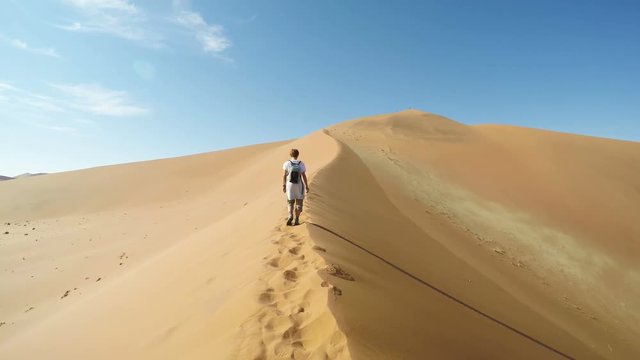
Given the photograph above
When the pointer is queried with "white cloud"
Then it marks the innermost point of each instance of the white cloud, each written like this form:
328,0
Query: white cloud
120,18
95,99
28,100
211,37
122,5
19,44
72,99
6,86
123,19
40,102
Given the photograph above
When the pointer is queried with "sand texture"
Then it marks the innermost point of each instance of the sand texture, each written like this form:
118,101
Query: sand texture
422,238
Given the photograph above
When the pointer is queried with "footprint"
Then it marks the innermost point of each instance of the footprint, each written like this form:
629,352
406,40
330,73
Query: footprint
267,297
336,270
280,262
275,262
278,322
499,251
299,316
283,351
319,248
295,250
292,333
290,275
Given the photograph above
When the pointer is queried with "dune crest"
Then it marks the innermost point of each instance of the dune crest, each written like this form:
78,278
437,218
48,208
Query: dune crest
294,322
495,217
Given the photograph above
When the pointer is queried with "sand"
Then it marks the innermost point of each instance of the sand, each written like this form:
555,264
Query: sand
421,238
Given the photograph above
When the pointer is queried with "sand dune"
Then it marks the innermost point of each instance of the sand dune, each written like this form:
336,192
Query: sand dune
423,238
21,176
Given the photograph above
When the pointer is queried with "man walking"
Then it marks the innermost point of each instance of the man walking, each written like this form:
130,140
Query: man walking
294,182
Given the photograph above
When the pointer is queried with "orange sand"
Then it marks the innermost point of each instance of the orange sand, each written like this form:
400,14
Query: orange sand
422,238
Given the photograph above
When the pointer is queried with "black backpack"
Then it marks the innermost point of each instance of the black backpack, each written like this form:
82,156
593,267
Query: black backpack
294,175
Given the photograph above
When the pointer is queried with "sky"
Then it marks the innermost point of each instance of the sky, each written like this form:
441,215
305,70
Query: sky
85,83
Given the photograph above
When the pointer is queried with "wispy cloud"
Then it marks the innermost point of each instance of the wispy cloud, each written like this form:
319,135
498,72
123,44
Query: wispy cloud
39,102
120,18
122,5
124,19
6,86
30,101
95,99
211,37
22,45
73,99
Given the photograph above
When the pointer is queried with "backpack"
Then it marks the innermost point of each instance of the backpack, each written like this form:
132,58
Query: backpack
294,173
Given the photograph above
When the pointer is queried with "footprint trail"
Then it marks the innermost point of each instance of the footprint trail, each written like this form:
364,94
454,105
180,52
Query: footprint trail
294,321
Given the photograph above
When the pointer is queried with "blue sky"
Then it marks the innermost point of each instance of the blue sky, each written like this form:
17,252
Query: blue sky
92,82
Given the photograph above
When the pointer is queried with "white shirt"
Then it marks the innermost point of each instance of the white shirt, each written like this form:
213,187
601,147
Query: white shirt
287,166
294,191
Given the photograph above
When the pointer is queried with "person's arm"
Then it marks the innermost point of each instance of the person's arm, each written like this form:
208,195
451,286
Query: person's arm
284,181
306,183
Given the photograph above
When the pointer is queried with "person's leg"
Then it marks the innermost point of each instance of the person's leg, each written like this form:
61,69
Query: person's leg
298,210
290,204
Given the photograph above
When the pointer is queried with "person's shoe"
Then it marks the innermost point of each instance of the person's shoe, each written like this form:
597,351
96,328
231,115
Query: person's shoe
297,221
289,221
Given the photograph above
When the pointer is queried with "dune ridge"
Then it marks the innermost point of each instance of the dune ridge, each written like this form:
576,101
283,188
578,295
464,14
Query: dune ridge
429,323
294,322
421,238
544,277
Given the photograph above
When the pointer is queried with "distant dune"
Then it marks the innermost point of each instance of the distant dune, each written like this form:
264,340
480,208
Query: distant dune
423,238
20,176
28,175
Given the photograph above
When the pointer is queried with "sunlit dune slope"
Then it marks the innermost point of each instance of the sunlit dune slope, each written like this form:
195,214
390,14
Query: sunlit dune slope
164,259
535,230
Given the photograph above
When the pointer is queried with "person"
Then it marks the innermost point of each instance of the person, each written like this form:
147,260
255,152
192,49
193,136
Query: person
294,183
